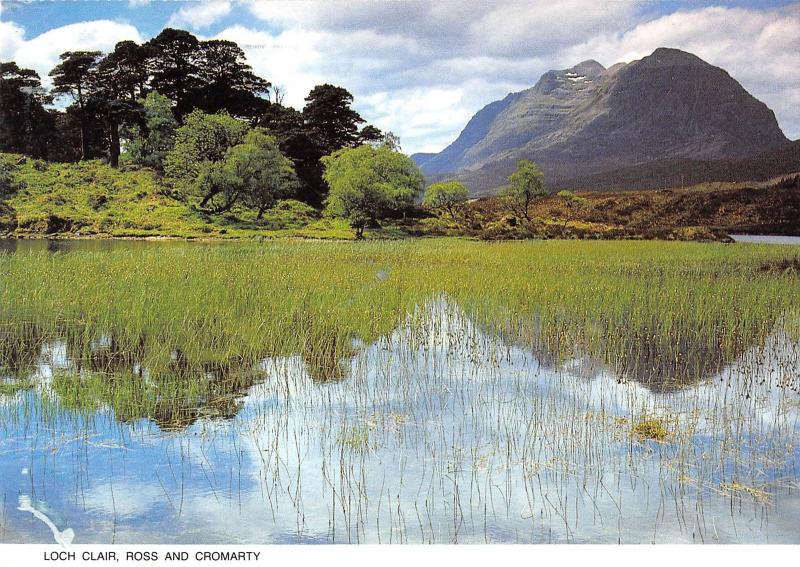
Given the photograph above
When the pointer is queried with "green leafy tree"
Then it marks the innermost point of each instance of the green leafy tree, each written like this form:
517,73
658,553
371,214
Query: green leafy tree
149,143
526,185
218,187
392,141
202,140
446,195
263,173
254,173
574,203
367,184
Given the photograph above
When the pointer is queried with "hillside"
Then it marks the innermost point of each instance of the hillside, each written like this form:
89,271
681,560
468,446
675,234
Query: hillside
588,120
92,199
708,211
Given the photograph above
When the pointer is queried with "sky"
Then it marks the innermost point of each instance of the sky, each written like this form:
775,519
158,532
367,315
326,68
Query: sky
422,68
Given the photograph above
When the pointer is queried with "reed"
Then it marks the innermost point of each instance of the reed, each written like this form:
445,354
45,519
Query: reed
424,391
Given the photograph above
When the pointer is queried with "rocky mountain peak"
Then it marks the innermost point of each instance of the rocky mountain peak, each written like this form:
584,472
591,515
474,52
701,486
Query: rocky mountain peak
589,68
587,119
668,56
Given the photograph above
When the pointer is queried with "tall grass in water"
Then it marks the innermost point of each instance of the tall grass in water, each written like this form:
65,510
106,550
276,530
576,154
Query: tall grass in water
442,427
657,312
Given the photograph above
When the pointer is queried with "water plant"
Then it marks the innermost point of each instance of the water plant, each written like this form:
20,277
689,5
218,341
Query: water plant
651,428
405,391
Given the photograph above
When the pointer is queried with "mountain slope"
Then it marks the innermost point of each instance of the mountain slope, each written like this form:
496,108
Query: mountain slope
588,119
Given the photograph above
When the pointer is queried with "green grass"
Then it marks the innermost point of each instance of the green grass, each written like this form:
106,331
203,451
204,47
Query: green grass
662,313
92,199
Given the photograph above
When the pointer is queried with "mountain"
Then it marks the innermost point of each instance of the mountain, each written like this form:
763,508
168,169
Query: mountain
421,157
683,172
581,122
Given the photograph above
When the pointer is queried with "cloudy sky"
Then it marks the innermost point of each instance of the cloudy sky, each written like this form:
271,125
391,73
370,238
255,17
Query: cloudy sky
422,68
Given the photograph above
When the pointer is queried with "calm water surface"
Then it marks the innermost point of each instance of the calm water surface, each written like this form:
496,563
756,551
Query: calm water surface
764,239
441,432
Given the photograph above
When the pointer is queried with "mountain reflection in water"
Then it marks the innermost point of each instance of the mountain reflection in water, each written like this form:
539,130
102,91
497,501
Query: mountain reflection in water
441,431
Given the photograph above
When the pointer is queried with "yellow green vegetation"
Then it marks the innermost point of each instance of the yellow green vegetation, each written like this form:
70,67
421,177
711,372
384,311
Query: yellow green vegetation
662,313
355,438
10,387
739,489
651,428
91,198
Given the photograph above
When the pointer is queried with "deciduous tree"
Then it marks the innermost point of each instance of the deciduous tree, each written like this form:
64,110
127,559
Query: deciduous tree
367,184
447,196
574,203
526,185
149,143
202,139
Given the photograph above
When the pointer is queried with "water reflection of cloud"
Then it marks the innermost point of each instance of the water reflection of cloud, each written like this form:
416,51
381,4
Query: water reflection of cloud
124,498
450,428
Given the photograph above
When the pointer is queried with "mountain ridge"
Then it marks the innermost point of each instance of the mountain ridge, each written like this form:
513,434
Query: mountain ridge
589,119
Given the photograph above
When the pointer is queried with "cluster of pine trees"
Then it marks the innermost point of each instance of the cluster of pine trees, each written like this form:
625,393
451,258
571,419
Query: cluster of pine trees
176,89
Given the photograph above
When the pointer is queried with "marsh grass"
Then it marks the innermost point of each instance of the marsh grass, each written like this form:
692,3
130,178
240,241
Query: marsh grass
650,429
424,391
664,313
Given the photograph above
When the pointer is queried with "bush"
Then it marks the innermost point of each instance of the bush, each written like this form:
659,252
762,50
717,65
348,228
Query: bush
650,429
8,218
8,185
97,201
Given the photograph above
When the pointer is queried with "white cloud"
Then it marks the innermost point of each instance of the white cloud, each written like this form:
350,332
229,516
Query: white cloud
422,67
288,59
456,27
42,52
11,37
201,14
423,116
130,498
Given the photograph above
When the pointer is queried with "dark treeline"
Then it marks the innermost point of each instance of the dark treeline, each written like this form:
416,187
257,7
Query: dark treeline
108,106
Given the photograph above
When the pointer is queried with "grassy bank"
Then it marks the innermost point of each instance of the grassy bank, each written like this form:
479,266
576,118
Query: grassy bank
93,200
708,211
